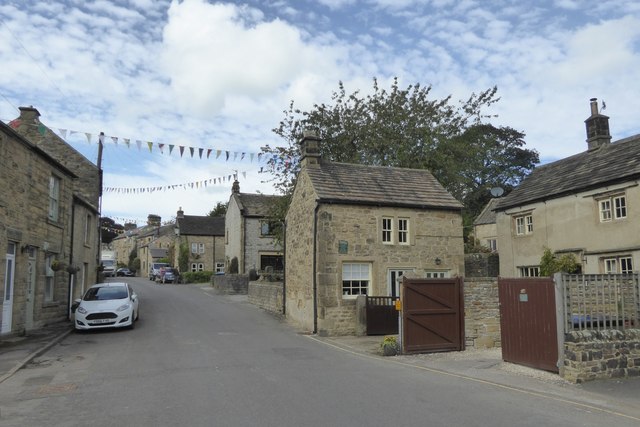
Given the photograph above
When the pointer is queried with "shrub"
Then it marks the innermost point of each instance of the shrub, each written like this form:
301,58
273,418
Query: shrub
196,276
233,268
390,346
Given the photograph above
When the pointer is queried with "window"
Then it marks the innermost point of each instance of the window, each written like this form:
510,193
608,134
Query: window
613,208
524,225
355,279
87,230
219,267
387,230
197,248
492,244
271,260
268,228
436,274
618,265
403,231
49,280
529,271
197,266
54,197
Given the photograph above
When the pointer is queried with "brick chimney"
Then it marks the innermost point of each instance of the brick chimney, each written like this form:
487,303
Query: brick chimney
154,220
309,150
597,128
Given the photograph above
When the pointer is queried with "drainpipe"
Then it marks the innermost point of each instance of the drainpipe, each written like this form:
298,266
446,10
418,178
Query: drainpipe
284,268
315,280
71,276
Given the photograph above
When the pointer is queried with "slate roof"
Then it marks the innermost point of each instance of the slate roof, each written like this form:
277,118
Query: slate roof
201,225
379,186
488,215
255,205
609,164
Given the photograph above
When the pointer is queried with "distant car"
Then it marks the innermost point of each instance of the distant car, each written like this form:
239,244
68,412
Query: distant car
107,305
167,275
125,272
154,271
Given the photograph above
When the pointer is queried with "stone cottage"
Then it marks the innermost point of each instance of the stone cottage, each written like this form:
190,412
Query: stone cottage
203,237
49,224
249,233
354,229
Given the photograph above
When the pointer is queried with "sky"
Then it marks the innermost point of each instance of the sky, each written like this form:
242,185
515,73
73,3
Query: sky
187,92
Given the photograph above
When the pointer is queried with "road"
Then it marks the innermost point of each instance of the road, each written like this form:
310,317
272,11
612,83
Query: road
199,359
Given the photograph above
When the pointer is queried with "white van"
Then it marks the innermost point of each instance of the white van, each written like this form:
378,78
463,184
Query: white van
154,270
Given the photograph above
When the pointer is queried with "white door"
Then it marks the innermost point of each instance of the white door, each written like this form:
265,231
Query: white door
393,280
7,301
31,286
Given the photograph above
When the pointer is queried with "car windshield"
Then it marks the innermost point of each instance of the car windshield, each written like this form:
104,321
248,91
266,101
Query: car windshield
168,270
101,293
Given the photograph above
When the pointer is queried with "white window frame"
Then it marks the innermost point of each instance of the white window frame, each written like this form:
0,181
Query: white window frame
524,224
197,248
626,265
353,272
617,265
436,274
619,207
403,231
612,208
492,244
387,230
529,271
54,197
219,267
197,266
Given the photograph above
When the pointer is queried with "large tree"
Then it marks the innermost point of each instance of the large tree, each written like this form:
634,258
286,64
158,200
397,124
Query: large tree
407,128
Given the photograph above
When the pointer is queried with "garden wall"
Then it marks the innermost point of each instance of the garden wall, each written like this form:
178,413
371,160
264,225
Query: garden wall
267,295
231,284
481,312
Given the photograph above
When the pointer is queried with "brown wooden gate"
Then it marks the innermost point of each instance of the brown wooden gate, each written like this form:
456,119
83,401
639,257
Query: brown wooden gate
528,322
382,316
432,315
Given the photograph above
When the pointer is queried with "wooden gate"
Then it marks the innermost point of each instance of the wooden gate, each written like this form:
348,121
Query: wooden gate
432,315
528,322
382,316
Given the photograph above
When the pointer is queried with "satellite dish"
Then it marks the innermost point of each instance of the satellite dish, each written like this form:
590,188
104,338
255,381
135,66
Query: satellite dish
497,191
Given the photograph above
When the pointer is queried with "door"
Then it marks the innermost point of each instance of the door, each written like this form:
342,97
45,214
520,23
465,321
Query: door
393,280
31,286
7,300
432,315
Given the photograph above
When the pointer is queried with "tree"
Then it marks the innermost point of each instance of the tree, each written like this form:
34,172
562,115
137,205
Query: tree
109,229
219,210
405,128
551,263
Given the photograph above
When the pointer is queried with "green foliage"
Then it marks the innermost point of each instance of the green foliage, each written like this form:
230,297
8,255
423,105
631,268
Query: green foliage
183,257
196,276
550,263
390,346
165,260
219,210
109,229
406,128
473,246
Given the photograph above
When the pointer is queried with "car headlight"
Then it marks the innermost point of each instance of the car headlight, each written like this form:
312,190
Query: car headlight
81,310
124,307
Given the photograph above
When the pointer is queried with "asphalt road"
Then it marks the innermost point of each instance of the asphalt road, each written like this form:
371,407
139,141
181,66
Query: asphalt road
199,359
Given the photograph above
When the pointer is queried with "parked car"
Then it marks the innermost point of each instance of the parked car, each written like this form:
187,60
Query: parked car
125,272
106,305
167,275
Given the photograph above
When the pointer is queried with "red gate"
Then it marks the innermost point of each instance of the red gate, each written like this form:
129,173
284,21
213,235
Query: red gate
528,322
432,315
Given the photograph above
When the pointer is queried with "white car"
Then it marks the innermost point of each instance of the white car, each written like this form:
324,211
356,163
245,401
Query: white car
107,305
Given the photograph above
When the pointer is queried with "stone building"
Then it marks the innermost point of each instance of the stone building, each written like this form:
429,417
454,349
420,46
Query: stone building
355,229
49,224
204,239
249,233
586,205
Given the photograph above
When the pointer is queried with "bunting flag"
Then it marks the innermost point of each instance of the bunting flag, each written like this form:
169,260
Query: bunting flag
185,186
65,133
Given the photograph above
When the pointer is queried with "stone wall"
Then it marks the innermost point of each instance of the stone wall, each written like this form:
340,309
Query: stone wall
481,265
231,284
481,312
591,355
267,295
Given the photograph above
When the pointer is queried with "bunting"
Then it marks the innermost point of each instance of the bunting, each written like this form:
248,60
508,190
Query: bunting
184,186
